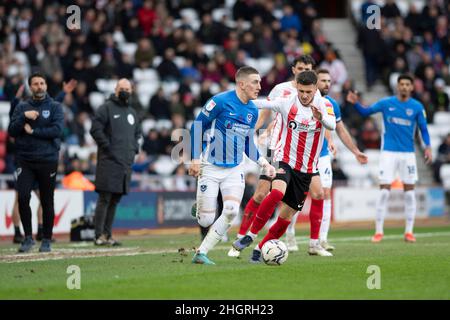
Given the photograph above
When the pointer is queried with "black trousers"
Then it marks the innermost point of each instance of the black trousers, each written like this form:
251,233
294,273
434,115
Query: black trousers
105,212
45,174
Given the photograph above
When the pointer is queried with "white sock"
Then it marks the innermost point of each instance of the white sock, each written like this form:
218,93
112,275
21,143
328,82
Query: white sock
410,210
252,235
239,236
381,209
291,228
215,234
313,242
326,219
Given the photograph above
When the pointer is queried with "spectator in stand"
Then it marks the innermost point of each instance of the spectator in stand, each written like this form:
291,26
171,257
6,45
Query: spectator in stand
332,63
290,19
439,96
370,135
159,106
145,53
390,10
443,157
167,69
147,17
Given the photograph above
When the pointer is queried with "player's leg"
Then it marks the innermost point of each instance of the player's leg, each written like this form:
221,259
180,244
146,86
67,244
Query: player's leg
276,230
207,192
267,207
101,208
316,210
388,162
232,189
46,177
262,189
18,237
291,242
326,178
25,180
408,174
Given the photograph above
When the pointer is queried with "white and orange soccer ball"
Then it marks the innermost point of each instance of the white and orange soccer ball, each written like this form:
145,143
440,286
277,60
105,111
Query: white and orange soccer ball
274,252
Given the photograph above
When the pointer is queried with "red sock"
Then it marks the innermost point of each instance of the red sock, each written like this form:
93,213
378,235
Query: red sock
249,213
265,210
315,217
276,231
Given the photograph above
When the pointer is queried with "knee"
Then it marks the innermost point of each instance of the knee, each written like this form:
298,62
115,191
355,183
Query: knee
206,219
230,210
23,199
259,196
317,194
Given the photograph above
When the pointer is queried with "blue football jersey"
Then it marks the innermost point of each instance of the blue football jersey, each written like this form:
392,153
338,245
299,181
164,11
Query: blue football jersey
400,120
337,114
224,130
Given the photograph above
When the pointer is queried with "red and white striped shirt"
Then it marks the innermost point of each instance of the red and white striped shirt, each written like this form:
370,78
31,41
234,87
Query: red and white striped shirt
302,135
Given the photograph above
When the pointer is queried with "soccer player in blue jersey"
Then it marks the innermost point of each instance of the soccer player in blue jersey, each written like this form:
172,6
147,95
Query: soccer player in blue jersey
220,135
401,115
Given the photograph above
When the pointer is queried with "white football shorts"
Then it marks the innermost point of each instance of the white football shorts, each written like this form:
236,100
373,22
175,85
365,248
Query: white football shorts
325,171
402,162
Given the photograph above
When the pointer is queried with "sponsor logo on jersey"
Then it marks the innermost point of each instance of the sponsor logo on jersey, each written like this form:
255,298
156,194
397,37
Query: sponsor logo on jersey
210,105
399,121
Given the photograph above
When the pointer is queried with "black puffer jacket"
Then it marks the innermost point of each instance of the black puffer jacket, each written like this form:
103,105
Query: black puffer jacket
116,129
44,143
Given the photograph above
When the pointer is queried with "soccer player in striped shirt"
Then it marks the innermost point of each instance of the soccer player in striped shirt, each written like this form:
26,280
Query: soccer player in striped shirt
402,114
307,117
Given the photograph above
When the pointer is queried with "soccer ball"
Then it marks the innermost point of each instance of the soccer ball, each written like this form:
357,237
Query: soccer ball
274,252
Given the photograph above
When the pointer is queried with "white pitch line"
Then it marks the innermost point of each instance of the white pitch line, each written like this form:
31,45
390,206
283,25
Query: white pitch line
134,251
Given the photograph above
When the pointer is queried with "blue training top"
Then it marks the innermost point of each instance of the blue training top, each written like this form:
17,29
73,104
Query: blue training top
400,120
224,129
337,114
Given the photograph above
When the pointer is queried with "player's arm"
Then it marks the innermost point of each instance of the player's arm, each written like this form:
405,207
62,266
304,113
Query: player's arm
55,128
17,121
347,139
198,128
264,114
324,115
274,105
253,153
364,110
422,121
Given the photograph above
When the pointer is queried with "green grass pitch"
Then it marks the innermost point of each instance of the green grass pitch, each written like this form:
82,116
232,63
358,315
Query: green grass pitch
152,268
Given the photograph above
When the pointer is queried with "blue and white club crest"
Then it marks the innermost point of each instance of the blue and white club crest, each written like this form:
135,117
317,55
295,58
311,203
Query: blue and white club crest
46,113
409,112
249,117
203,188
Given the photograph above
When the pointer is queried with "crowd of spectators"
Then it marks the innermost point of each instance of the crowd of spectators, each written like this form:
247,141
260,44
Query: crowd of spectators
34,36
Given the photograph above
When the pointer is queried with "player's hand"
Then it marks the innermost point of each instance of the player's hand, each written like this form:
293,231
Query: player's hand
352,97
270,171
316,113
361,157
428,156
332,148
68,87
28,129
194,168
19,93
32,114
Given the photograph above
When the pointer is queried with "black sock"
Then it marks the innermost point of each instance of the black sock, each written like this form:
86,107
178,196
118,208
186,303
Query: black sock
40,227
16,231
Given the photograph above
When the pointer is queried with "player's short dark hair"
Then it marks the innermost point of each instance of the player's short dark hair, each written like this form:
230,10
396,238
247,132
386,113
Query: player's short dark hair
306,78
323,71
244,72
305,59
405,76
36,75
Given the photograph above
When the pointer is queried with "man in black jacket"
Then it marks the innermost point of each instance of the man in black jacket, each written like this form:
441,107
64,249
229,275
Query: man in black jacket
37,126
116,130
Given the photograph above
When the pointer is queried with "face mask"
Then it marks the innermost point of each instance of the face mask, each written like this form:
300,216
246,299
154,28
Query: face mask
124,96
